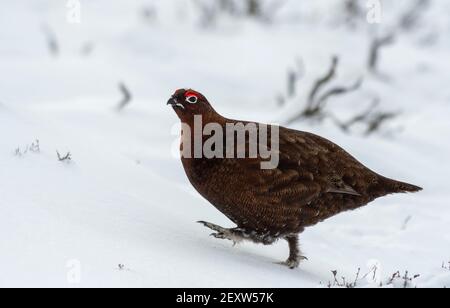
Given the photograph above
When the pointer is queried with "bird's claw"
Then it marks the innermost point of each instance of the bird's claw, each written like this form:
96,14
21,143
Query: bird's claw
218,235
226,236
293,263
222,233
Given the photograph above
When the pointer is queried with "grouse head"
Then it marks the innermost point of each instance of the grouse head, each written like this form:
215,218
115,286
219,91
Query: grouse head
188,103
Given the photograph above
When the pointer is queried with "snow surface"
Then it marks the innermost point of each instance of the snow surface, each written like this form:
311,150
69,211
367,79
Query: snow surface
124,199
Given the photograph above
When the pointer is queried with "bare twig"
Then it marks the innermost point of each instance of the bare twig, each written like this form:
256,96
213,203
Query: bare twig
370,117
316,105
355,282
406,222
338,91
65,158
126,99
17,152
406,280
316,102
375,47
343,283
393,277
362,117
34,147
293,76
378,119
322,81
311,108
256,9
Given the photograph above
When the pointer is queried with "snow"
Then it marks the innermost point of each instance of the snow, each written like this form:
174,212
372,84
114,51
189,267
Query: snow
124,198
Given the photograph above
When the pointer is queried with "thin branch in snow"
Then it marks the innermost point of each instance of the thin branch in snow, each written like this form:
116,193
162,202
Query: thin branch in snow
371,118
322,82
396,280
338,91
316,103
405,280
393,277
34,147
65,158
343,283
126,96
311,108
17,152
122,267
378,120
406,222
358,118
374,52
293,77
264,11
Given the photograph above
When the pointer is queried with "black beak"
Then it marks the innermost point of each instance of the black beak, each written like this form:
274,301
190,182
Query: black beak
174,103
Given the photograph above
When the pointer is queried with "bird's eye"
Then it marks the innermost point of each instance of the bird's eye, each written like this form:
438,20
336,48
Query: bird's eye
192,99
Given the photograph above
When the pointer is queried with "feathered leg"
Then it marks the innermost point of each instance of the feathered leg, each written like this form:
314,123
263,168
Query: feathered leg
295,256
237,235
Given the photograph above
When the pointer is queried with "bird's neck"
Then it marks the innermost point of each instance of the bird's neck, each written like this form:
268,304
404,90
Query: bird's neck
193,132
200,121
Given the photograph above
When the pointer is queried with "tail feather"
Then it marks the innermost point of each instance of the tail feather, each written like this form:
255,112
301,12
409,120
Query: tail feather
401,187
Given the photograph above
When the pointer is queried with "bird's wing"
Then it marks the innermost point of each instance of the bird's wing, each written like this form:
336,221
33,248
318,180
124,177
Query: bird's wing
332,167
309,166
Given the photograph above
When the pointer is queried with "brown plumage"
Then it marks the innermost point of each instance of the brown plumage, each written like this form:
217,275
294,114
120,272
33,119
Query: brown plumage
315,179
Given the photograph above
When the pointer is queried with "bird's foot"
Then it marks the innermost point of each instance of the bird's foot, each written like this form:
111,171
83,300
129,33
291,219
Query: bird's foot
223,233
293,262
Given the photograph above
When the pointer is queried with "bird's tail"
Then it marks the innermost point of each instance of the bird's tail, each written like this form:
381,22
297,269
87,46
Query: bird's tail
400,187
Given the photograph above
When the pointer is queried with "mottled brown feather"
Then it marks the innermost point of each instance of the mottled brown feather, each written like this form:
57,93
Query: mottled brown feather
315,180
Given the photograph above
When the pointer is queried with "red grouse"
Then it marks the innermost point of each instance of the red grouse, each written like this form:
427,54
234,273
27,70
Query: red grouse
313,180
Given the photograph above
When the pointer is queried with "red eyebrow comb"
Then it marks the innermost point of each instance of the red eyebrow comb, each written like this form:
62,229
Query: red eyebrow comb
190,93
